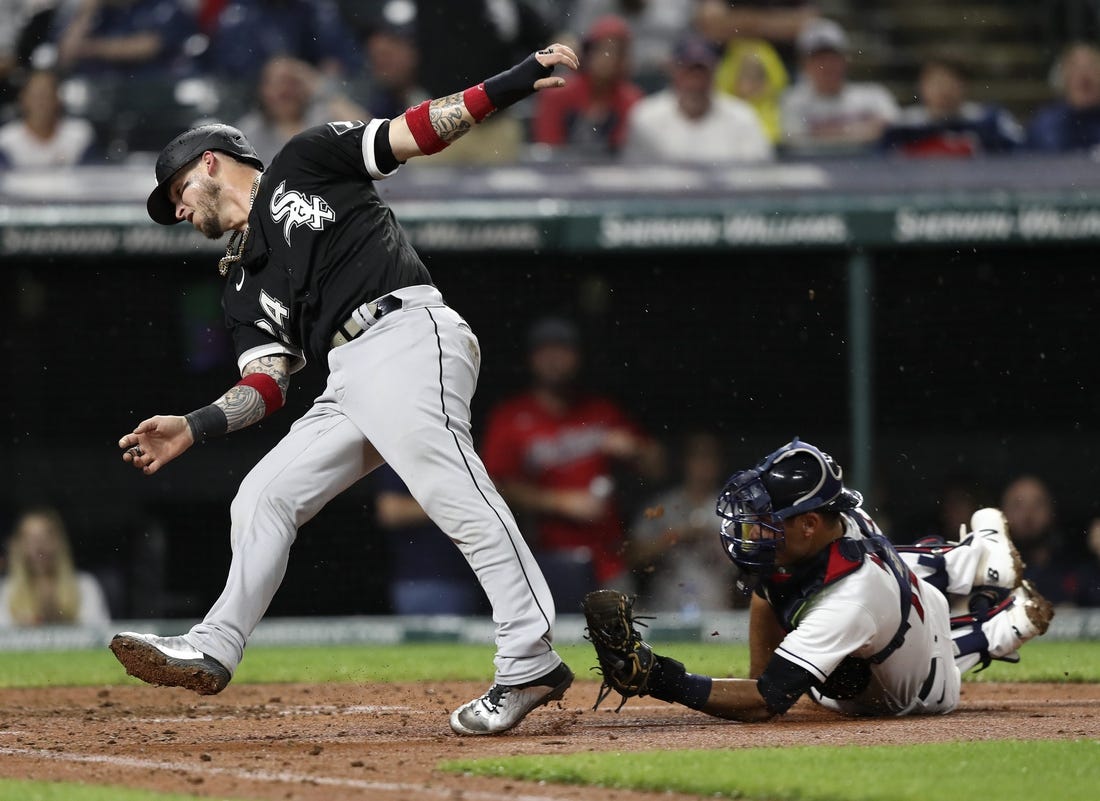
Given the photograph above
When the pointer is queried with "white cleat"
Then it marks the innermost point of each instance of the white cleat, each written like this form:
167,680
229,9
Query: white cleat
1030,612
169,662
1027,617
1000,565
506,705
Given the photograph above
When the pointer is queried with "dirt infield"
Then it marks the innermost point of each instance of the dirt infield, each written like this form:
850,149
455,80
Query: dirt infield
357,741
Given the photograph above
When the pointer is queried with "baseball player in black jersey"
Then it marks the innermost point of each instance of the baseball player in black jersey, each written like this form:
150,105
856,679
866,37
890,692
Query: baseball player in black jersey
318,268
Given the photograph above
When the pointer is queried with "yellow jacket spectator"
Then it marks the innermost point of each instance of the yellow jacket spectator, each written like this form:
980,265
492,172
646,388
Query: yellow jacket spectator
751,70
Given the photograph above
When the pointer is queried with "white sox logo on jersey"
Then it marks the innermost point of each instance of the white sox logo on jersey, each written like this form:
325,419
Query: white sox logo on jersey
297,209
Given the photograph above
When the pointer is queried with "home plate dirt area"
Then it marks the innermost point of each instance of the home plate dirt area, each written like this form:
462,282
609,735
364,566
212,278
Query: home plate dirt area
384,741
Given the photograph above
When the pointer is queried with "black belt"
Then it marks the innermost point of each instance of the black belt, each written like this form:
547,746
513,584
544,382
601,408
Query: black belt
363,318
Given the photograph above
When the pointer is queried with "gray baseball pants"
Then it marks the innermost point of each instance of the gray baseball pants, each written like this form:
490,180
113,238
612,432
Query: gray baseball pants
399,393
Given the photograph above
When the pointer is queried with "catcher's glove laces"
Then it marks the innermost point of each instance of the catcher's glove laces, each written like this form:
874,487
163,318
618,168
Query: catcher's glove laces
626,660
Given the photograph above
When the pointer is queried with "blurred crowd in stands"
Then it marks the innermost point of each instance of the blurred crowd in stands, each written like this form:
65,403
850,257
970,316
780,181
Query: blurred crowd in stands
705,81
601,502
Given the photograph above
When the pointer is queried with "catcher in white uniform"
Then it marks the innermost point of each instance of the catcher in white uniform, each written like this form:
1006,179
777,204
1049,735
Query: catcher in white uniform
838,612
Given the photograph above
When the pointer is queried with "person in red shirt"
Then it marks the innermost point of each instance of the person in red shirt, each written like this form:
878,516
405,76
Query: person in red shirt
588,116
553,451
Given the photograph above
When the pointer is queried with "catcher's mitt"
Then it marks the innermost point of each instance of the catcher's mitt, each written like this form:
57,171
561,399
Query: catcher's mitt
625,659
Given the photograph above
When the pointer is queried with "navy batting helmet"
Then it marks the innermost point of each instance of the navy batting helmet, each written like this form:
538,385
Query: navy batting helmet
796,478
184,149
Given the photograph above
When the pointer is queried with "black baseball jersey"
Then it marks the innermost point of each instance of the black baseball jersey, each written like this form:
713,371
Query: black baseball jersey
321,243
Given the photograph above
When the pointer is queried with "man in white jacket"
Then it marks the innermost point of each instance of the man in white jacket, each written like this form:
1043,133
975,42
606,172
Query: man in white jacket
692,122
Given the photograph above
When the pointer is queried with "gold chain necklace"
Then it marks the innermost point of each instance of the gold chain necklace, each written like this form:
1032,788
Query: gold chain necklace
235,249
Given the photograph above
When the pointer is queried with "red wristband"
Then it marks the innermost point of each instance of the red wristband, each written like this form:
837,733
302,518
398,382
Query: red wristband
268,388
420,125
477,102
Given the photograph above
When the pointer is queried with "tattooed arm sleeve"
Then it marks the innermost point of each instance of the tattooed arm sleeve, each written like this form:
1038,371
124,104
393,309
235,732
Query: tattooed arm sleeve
434,124
251,401
261,391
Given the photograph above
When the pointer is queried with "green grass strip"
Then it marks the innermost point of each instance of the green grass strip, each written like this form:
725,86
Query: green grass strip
1059,661
1006,770
20,790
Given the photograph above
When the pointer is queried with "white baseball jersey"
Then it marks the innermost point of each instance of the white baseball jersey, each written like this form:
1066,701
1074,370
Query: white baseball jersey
852,620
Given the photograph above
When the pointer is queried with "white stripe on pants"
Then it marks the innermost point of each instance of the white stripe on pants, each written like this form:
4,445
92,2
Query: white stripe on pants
401,393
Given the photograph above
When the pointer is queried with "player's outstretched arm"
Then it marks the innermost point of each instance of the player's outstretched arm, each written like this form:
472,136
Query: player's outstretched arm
765,634
260,392
736,699
158,440
434,124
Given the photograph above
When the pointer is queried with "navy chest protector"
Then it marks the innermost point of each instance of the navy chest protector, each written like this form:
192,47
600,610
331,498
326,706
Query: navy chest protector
790,593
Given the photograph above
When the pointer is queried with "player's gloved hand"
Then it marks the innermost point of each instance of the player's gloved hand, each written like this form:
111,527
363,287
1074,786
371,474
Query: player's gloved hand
530,75
626,660
155,442
553,55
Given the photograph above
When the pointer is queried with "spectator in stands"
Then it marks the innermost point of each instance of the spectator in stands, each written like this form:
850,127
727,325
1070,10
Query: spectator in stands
392,81
291,97
775,21
1087,575
960,498
960,495
824,113
43,586
206,14
127,39
691,121
751,70
1072,123
13,18
655,26
588,116
945,123
428,574
674,549
462,41
43,135
249,33
554,451
1029,508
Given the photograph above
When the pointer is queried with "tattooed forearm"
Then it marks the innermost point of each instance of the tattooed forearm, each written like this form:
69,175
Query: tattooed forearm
449,117
275,366
243,406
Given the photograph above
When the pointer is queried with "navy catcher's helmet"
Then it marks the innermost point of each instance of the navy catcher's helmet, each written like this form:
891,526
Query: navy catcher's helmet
184,149
796,478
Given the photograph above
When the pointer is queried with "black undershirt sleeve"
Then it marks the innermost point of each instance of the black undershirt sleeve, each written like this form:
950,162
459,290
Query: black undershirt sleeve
383,154
782,683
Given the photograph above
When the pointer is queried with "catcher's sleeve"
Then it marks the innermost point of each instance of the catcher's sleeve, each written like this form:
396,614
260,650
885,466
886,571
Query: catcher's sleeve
782,683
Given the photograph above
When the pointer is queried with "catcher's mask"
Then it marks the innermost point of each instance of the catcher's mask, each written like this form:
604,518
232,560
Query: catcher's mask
754,503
